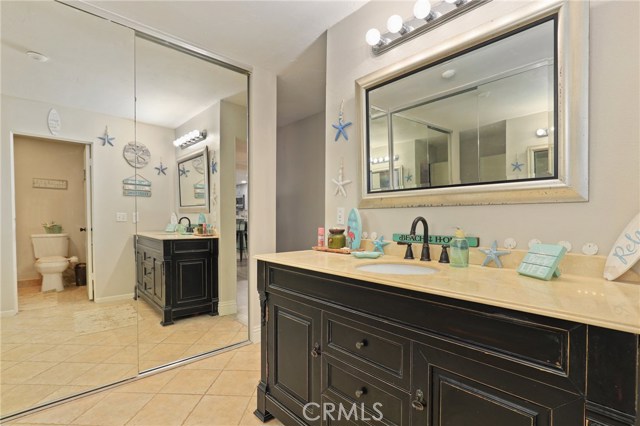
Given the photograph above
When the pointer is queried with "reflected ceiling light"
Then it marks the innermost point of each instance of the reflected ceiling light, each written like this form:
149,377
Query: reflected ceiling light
385,159
243,182
37,56
448,74
541,133
399,31
190,139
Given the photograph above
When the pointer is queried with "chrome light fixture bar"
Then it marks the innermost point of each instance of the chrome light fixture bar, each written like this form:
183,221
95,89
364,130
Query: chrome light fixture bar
400,31
190,139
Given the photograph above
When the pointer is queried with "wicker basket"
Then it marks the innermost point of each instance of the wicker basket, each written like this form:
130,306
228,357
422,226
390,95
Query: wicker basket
53,229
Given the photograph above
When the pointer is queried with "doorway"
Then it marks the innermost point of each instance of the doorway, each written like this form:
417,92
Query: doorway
52,197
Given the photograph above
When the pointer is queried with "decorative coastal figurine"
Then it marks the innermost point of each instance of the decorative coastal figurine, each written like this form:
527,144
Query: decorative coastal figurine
493,254
378,245
625,251
341,126
341,182
354,229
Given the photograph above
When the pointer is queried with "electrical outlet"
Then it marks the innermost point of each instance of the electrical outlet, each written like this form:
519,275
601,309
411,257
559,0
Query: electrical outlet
135,216
340,216
121,217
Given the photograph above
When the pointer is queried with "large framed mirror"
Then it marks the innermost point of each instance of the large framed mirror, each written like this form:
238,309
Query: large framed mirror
193,182
490,117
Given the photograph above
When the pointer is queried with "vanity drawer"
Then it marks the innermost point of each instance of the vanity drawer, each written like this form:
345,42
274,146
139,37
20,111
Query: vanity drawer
348,386
375,345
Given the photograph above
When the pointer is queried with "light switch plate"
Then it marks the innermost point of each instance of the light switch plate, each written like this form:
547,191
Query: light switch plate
340,216
121,217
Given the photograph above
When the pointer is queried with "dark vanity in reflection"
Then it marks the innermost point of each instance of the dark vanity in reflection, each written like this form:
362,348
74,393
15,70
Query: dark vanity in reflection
177,274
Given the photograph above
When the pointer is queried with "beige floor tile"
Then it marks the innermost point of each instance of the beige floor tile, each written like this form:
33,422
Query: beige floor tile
218,410
25,352
65,391
166,409
151,384
114,409
165,352
252,347
21,397
240,383
216,338
59,353
195,350
250,419
106,373
95,354
244,361
64,414
61,374
184,336
191,381
128,355
214,362
24,371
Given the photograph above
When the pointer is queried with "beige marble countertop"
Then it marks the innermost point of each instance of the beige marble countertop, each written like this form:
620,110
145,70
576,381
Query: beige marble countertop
594,301
162,235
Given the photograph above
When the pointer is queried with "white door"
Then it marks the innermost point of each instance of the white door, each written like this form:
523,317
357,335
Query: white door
88,198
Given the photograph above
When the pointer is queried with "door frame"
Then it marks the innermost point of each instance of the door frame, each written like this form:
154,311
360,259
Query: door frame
88,204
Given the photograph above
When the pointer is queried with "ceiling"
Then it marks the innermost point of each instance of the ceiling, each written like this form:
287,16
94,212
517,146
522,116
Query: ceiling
285,37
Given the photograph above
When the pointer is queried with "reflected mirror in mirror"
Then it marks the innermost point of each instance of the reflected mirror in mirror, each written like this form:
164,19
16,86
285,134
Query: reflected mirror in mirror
485,115
62,341
192,289
193,181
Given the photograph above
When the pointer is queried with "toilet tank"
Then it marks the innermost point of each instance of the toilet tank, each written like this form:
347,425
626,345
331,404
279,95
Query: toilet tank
45,245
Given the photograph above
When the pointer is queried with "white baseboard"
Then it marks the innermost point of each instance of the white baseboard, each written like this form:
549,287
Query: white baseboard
228,307
255,336
128,296
8,313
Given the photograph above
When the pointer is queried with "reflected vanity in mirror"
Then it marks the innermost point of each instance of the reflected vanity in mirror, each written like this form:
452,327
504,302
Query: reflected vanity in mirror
193,182
486,119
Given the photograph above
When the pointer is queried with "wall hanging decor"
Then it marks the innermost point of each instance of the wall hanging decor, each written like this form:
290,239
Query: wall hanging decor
54,122
136,186
341,126
198,190
516,166
493,254
183,170
106,139
625,251
341,182
161,169
136,154
50,183
214,164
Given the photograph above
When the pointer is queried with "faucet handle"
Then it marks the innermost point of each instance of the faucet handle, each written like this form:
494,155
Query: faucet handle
409,253
426,254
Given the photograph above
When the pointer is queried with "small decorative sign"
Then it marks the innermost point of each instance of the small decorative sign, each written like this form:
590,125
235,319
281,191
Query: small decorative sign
542,261
198,190
433,239
136,186
625,252
50,183
54,122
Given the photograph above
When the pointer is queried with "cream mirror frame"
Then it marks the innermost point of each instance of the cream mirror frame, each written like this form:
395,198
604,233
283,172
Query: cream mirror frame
571,184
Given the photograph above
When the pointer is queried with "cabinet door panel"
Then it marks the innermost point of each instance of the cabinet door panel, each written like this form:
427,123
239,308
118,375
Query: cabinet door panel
294,373
191,280
158,281
481,395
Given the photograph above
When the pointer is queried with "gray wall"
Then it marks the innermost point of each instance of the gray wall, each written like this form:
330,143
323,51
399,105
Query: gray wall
300,183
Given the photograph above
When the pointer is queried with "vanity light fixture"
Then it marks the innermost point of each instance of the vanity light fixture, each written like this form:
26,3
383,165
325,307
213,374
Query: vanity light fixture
541,133
385,159
425,18
190,139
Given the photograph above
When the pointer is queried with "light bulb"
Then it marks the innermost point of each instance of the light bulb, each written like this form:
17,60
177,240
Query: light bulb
394,23
373,37
421,9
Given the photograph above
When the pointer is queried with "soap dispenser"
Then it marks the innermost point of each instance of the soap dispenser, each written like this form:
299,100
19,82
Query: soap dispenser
459,257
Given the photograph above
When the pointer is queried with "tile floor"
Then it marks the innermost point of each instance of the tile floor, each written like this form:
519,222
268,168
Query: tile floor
61,344
217,391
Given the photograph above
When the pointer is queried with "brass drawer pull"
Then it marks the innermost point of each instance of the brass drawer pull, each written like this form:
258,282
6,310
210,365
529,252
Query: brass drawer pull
362,343
361,392
418,403
315,351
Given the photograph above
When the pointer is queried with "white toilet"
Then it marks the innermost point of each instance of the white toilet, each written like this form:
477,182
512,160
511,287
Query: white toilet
50,251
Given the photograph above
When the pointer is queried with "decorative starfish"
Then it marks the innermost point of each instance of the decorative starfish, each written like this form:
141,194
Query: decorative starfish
161,169
106,139
340,183
184,172
517,166
214,195
378,245
409,177
341,126
493,254
214,164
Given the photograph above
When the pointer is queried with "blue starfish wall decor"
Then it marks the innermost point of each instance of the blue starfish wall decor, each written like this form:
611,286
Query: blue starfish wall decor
161,169
214,164
409,177
378,245
183,171
106,139
493,254
517,166
341,126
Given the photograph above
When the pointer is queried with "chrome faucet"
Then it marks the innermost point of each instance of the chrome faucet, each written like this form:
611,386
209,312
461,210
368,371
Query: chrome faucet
425,255
189,228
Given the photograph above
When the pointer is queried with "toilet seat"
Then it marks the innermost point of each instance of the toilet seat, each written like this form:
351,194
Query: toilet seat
52,259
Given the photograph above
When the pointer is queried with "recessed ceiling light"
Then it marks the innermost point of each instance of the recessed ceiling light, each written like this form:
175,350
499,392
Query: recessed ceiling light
36,56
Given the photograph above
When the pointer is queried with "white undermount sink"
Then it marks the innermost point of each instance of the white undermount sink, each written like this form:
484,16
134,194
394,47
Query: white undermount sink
397,269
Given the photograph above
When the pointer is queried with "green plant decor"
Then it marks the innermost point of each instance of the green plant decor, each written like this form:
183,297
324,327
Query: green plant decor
52,228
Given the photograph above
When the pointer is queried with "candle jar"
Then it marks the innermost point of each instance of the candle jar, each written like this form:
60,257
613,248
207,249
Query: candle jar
336,238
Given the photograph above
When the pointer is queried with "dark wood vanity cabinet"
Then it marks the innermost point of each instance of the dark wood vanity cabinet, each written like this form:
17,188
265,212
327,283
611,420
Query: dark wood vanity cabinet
402,357
177,277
